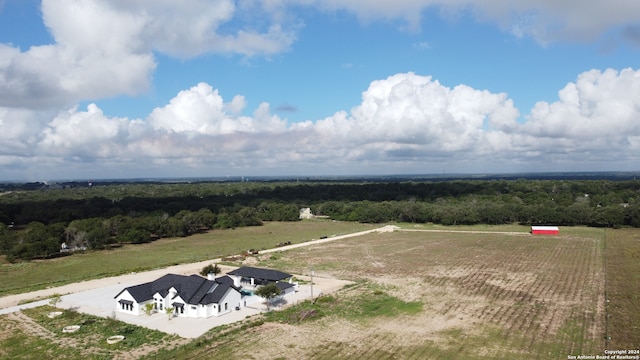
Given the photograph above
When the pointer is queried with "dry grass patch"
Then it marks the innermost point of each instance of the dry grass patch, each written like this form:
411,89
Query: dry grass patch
510,294
623,284
35,275
426,295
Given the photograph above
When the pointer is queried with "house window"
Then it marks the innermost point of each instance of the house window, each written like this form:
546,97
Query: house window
126,305
226,306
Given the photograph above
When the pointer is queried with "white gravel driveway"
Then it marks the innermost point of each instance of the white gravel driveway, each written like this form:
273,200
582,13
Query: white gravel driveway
96,297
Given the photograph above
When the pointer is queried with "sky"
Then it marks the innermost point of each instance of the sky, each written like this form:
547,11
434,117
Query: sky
116,89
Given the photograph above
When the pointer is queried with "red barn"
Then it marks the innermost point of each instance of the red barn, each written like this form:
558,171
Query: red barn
545,230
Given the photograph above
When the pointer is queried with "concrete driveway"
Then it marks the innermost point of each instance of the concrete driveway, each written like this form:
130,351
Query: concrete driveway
96,297
101,302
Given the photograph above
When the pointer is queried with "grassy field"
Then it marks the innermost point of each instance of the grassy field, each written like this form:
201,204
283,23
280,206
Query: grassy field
33,335
623,288
429,295
35,275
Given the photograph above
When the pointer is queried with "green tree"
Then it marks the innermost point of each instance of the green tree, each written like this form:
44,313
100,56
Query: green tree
632,214
148,308
210,269
118,225
268,293
7,239
173,227
40,241
55,300
226,221
609,216
248,216
98,238
93,233
206,218
135,236
189,221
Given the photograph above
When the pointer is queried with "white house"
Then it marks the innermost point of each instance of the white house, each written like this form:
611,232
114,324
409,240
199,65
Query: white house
249,278
188,296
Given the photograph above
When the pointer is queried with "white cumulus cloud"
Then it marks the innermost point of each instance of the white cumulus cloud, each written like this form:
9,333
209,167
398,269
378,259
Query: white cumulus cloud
406,122
104,48
202,111
543,20
599,103
412,114
84,134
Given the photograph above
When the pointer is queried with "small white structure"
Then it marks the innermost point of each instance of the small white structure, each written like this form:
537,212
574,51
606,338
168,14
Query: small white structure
188,296
249,278
305,213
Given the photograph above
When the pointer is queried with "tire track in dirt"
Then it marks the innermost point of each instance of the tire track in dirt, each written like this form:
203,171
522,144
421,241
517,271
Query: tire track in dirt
30,326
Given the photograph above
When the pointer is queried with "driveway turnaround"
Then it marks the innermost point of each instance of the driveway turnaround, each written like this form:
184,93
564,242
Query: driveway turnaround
101,302
96,297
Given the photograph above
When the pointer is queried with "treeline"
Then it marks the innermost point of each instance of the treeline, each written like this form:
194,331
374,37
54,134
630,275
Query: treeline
39,241
473,210
38,223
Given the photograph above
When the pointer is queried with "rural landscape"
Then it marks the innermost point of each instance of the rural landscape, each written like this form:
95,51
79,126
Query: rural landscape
319,179
432,289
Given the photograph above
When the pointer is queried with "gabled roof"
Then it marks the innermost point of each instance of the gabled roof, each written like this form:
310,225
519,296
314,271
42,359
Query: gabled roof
193,289
216,295
284,285
257,273
224,280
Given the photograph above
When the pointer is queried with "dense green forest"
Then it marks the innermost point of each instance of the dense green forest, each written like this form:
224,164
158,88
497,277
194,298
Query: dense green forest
37,221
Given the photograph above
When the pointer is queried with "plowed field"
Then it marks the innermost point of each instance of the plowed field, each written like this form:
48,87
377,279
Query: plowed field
485,296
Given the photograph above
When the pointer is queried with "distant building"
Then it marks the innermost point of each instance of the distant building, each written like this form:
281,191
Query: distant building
249,279
305,213
545,230
250,276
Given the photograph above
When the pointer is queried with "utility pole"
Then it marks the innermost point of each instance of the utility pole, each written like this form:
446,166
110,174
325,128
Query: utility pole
312,285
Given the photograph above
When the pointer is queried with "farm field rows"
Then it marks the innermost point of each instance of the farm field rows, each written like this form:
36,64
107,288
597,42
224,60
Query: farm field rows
432,295
485,296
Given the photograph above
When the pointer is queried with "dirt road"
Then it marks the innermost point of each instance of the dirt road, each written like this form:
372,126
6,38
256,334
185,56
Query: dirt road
12,301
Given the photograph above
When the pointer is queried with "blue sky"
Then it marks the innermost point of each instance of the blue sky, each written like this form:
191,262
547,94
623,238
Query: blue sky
113,89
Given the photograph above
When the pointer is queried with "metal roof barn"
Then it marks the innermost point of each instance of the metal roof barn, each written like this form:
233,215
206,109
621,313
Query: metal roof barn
545,230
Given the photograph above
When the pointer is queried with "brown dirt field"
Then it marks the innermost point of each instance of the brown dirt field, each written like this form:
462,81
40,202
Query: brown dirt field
484,295
513,293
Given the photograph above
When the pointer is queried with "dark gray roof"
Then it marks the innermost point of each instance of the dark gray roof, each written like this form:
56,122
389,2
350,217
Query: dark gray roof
192,289
224,280
216,295
284,285
257,273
